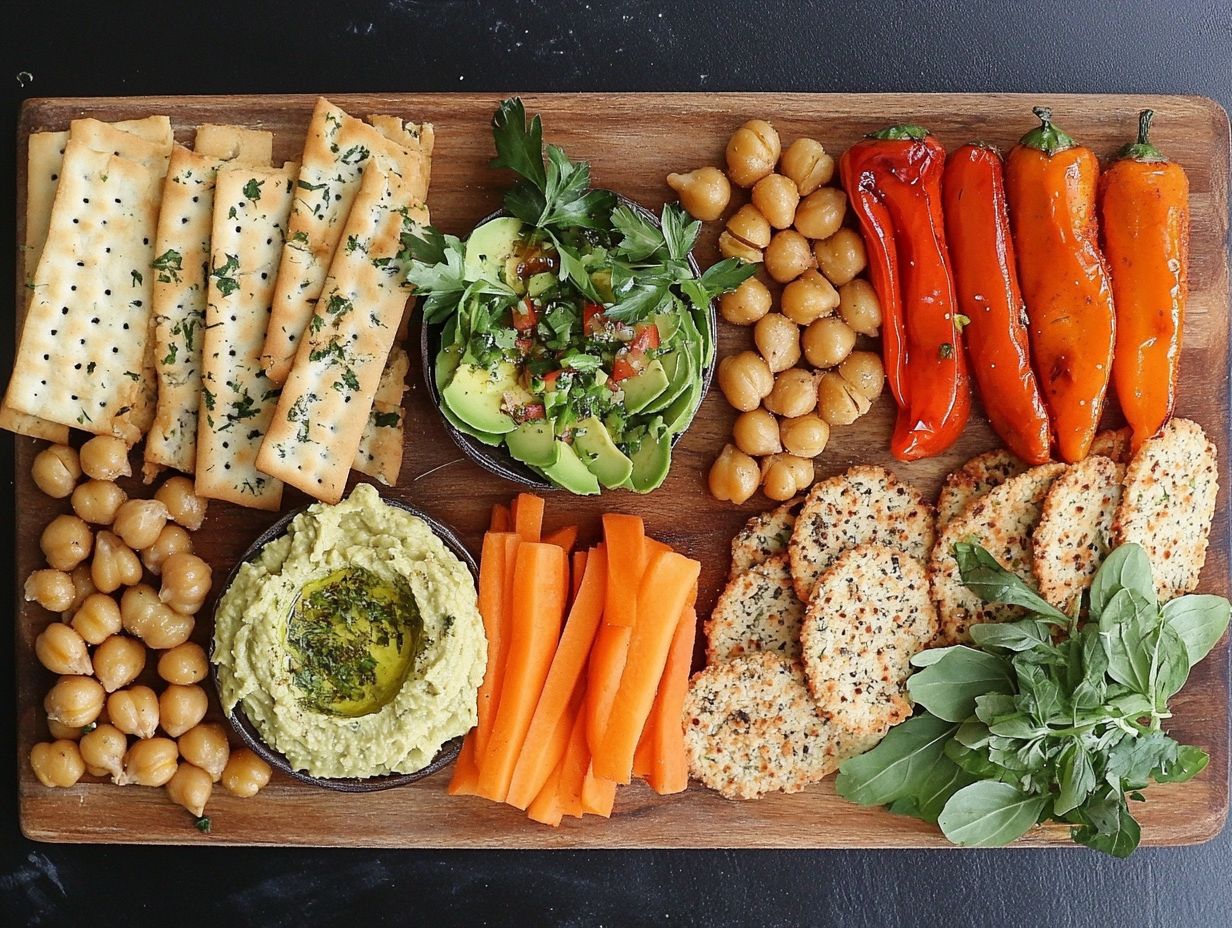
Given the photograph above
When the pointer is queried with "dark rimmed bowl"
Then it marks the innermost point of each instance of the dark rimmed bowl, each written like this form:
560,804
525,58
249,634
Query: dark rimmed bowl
248,733
498,460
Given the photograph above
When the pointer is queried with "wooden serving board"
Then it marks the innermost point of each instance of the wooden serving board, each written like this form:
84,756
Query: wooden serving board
632,142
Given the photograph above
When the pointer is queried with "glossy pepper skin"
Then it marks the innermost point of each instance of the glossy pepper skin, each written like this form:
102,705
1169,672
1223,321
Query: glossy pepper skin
977,230
1051,183
1144,209
893,182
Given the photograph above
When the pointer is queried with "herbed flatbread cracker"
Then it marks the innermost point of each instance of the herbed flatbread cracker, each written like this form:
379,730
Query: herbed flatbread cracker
757,611
1002,522
1168,503
326,400
1113,444
1074,534
336,150
865,505
380,447
870,614
251,208
973,480
763,536
234,143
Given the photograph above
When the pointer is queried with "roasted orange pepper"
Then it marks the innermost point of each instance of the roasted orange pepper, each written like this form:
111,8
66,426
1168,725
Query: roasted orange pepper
1144,208
977,228
893,182
1051,182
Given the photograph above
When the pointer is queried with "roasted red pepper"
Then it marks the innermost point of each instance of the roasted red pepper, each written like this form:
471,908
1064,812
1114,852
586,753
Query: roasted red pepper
977,227
525,316
893,181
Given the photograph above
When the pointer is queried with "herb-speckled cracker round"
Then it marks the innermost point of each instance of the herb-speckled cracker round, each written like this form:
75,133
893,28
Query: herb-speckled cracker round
1113,444
1168,503
973,480
1002,522
758,611
751,727
866,505
870,614
1075,529
764,536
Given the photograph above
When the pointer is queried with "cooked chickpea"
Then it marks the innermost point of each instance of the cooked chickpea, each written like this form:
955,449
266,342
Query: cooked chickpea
704,193
775,197
52,589
183,664
57,763
205,746
62,651
838,401
103,751
74,701
804,436
748,232
83,587
733,476
787,256
184,506
821,213
186,582
190,787
59,730
134,711
118,661
746,304
150,762
181,707
171,540
841,256
105,457
808,164
745,379
827,342
246,774
778,340
808,298
56,471
859,306
785,475
139,522
115,564
756,432
864,371
96,501
732,247
97,618
794,393
752,152
153,621
66,542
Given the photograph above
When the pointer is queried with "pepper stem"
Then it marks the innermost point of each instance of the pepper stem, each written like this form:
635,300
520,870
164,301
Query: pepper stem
900,133
1046,137
1144,126
1143,150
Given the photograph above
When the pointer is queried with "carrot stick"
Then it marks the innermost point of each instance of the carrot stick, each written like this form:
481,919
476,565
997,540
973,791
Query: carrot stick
539,752
579,570
669,772
465,770
598,795
528,516
668,586
654,547
494,609
546,807
502,521
626,539
538,608
573,767
643,757
607,664
564,537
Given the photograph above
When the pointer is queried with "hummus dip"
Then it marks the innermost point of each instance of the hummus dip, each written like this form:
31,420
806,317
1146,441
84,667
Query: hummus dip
353,642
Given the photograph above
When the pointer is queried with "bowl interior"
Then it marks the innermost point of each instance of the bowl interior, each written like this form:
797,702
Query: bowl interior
247,732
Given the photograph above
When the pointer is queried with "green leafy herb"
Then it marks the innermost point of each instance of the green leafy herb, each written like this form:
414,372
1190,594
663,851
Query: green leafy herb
168,265
223,276
203,824
252,189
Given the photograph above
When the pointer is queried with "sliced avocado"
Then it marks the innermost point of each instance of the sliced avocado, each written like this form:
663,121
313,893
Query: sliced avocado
666,323
446,364
534,443
599,453
651,462
644,387
680,369
489,247
540,282
679,414
569,472
475,395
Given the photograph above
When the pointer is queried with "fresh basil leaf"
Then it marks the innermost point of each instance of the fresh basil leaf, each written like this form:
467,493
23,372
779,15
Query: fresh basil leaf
1125,623
1019,725
984,576
974,760
1118,837
1132,760
1012,636
989,814
972,733
948,688
1126,568
943,780
1076,778
895,767
519,145
1170,667
1093,686
930,656
993,706
1042,694
1200,620
1188,763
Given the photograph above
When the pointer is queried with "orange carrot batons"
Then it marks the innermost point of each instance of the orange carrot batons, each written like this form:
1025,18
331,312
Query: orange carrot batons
669,770
625,537
527,514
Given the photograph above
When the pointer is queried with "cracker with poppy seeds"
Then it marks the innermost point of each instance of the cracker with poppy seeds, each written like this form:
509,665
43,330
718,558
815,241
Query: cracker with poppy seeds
251,207
1074,534
234,143
865,505
380,447
973,480
763,536
336,151
757,611
328,394
1114,444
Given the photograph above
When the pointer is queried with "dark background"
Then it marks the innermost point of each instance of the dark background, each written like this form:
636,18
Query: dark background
72,48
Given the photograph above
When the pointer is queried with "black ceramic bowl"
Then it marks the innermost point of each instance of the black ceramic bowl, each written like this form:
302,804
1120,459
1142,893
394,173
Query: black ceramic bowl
498,460
248,733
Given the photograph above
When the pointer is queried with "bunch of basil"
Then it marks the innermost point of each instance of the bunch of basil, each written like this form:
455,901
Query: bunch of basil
1048,717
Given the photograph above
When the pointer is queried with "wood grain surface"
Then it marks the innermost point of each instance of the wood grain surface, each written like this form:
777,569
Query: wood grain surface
632,141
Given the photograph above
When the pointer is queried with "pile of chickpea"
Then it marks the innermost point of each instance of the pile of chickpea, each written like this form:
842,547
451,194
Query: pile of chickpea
110,619
793,226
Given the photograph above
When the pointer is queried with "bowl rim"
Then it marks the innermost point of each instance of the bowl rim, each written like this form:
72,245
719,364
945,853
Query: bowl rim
498,460
247,731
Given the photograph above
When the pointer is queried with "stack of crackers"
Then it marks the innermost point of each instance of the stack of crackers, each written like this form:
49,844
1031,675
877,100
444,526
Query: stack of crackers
241,317
809,647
